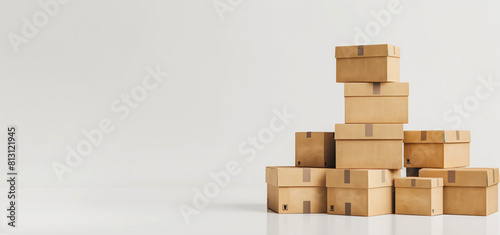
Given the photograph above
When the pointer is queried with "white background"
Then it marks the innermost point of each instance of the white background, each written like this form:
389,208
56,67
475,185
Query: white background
227,73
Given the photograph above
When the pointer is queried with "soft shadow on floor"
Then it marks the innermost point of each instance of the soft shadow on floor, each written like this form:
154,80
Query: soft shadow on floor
243,207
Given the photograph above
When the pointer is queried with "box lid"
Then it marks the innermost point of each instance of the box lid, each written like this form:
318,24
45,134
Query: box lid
418,182
289,176
465,177
440,136
397,89
367,51
369,131
360,178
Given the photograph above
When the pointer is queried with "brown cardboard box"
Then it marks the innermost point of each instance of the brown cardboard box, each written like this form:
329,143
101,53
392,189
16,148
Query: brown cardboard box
376,102
436,149
369,146
315,149
367,63
468,191
362,192
419,196
292,190
412,172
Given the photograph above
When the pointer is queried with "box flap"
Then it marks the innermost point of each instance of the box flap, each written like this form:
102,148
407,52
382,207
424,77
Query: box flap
437,136
376,89
360,178
289,176
418,182
367,51
464,177
369,131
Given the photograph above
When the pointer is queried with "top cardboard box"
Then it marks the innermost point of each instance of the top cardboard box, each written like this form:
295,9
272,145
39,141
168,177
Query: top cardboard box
367,63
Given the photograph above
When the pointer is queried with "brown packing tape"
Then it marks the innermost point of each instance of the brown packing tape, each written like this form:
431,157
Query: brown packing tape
306,206
382,175
361,50
347,176
413,182
347,208
376,88
458,135
308,134
306,175
451,176
368,130
423,135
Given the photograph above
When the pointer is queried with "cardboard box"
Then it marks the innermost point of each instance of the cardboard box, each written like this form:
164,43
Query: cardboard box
436,149
412,172
362,192
419,196
315,149
369,146
376,102
467,191
294,190
367,63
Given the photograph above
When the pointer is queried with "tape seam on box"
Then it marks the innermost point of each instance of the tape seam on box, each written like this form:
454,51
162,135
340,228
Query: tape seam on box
376,88
347,208
451,176
347,176
306,175
361,50
423,135
306,206
413,182
368,130
308,134
382,175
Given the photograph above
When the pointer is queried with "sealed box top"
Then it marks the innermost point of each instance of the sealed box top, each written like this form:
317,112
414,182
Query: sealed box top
436,136
418,182
369,131
398,89
289,176
367,51
464,177
360,178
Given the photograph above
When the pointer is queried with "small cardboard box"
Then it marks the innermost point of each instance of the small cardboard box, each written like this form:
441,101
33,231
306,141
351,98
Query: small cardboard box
467,191
376,102
294,190
315,149
362,192
419,196
436,149
367,63
369,146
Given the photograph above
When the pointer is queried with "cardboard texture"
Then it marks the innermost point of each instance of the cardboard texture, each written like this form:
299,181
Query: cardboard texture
376,102
419,196
315,149
436,149
289,176
412,172
361,192
369,146
468,191
296,200
367,63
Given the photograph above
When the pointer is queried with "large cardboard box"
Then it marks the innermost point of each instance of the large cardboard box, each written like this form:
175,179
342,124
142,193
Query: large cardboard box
369,146
292,190
367,63
315,149
376,102
436,149
467,191
362,192
419,196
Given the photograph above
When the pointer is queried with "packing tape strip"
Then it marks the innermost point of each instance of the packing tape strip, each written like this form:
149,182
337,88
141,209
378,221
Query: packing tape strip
413,182
376,88
451,176
306,206
306,175
458,135
423,135
368,130
347,176
347,208
361,50
382,175
308,134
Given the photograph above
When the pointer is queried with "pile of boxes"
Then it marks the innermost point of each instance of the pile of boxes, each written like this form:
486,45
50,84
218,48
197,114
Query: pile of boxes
356,170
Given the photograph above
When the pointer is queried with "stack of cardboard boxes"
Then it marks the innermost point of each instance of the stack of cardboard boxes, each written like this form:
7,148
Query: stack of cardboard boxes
357,169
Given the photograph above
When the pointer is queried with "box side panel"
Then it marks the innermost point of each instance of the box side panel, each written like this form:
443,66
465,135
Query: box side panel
464,200
412,201
424,155
298,200
329,153
375,154
370,69
309,149
456,155
348,201
376,110
437,201
380,201
492,199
